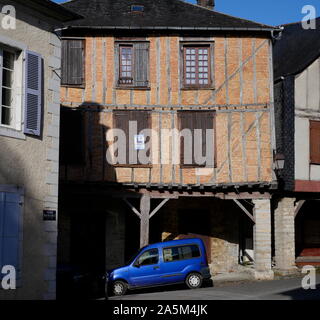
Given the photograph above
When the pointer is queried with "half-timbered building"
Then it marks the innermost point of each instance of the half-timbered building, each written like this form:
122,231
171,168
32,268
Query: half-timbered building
297,100
165,65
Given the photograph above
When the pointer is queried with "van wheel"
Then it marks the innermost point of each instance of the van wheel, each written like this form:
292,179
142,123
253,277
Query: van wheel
119,288
194,280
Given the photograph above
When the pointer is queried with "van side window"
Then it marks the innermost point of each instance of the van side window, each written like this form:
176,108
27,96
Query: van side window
181,253
149,257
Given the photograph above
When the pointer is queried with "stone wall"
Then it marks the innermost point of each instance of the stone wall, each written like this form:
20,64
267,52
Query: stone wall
215,221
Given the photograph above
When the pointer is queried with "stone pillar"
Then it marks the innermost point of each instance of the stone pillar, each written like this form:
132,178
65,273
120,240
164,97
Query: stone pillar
284,219
115,236
262,239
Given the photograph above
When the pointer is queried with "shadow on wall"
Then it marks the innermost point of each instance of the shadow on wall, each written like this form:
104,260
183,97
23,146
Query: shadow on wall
18,169
83,145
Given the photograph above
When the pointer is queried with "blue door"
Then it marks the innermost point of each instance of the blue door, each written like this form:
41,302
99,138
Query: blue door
145,271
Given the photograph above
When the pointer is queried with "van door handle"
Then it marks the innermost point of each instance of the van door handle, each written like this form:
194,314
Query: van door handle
156,268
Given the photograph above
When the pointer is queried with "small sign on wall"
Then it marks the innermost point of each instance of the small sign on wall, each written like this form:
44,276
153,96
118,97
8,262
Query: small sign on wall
49,215
139,142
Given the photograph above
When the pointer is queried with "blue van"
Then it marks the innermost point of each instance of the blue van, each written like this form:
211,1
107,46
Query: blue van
171,262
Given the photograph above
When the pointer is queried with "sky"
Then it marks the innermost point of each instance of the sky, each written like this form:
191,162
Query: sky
271,12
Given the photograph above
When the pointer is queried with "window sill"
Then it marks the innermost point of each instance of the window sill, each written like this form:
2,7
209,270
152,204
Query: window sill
12,133
132,88
192,166
81,86
197,88
132,166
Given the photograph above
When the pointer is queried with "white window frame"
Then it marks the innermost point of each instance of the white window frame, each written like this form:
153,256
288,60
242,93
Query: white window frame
15,130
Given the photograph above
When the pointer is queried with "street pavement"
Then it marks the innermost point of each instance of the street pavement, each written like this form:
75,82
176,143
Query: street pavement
284,289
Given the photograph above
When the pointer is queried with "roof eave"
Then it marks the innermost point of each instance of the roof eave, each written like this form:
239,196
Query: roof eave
169,28
51,9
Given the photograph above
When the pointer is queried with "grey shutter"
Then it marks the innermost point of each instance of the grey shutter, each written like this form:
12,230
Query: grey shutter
64,61
33,93
75,62
72,66
141,64
10,211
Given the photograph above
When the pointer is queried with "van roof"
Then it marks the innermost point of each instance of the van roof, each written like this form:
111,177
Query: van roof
175,242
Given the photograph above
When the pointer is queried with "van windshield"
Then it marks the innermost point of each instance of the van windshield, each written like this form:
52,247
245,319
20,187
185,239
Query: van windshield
133,257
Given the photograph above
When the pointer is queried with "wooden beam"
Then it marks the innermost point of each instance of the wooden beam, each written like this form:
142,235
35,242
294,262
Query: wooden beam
132,207
298,206
162,203
244,210
145,220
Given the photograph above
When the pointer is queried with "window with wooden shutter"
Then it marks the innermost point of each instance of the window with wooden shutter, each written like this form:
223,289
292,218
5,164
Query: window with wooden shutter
10,219
71,137
315,142
135,140
134,64
72,64
33,94
202,134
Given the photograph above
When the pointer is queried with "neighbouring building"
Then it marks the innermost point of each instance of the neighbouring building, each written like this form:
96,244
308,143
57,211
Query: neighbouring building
165,65
30,54
297,105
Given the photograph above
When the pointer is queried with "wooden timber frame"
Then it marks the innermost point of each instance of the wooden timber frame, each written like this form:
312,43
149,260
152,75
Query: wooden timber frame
165,193
146,197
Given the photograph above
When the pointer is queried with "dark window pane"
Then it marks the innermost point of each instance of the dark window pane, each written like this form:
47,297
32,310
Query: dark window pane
181,253
7,78
8,60
6,97
71,137
6,116
149,257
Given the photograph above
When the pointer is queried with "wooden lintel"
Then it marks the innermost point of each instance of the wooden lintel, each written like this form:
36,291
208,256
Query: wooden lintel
244,210
132,207
298,206
155,194
162,203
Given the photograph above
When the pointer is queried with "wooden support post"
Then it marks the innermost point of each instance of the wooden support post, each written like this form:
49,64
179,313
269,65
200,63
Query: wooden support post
298,206
244,210
145,220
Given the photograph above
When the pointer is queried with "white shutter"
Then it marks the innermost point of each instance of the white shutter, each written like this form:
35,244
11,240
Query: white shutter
33,93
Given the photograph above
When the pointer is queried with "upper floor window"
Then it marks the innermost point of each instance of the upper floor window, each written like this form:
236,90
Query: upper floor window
133,59
7,60
21,90
126,64
315,142
196,66
72,68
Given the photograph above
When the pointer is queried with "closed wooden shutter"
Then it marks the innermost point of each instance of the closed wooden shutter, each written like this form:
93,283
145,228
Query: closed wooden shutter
141,64
121,121
193,120
315,142
33,93
72,68
10,213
